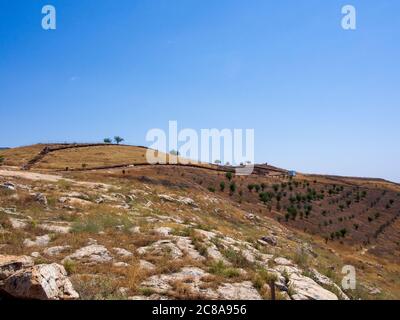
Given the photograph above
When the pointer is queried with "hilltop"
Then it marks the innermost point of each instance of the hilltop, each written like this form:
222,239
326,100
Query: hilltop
114,222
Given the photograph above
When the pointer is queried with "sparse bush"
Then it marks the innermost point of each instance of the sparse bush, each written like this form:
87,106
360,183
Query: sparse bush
107,140
211,189
229,175
222,185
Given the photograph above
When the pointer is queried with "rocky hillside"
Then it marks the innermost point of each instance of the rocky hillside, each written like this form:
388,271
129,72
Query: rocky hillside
177,233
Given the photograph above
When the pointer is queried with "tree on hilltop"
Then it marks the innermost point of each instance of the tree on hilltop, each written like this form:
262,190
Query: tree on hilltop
118,139
107,140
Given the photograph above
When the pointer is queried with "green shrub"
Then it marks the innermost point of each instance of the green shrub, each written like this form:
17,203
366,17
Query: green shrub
232,187
69,266
220,269
236,258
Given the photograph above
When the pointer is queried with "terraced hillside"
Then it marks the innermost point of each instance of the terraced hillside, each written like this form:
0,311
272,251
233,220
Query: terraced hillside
154,232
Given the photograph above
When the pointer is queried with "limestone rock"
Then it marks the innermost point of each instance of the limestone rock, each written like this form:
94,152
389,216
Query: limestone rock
238,291
41,282
185,245
283,261
181,200
40,241
162,247
190,276
92,253
18,223
271,240
307,289
41,198
148,266
8,185
123,252
164,231
53,251
12,264
55,228
120,264
325,281
74,201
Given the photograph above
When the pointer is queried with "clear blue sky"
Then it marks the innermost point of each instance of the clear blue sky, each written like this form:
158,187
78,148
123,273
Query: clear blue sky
320,99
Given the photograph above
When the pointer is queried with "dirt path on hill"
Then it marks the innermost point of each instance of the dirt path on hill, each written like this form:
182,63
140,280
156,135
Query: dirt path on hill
48,177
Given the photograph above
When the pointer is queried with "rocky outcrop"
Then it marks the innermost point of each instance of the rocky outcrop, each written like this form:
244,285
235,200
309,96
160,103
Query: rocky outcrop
190,276
307,289
326,282
92,253
268,240
41,282
21,279
238,291
53,251
41,198
123,252
162,247
180,200
11,264
38,242
8,185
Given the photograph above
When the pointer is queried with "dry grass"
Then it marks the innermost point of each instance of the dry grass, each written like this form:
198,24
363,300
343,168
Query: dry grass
92,157
21,155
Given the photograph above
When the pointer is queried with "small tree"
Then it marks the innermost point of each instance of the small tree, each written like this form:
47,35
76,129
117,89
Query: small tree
265,197
118,139
217,162
229,175
174,152
107,140
232,187
222,185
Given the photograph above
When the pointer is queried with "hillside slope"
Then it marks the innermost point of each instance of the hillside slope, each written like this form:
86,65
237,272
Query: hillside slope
144,231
